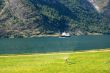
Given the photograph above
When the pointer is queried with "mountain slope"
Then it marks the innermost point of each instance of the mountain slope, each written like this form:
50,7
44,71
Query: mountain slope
33,17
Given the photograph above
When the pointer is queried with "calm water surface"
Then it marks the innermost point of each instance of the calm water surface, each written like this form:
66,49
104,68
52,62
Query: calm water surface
53,44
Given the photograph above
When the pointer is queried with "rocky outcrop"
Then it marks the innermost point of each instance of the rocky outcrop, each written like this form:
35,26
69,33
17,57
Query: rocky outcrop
102,6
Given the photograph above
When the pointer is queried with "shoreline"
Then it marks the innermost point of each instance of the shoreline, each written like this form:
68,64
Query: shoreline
51,35
57,53
55,35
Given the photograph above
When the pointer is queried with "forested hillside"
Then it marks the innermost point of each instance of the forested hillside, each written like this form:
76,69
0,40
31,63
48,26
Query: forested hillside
20,18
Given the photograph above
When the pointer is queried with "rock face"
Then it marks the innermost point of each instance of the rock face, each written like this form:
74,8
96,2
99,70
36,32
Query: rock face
54,15
102,6
21,9
18,9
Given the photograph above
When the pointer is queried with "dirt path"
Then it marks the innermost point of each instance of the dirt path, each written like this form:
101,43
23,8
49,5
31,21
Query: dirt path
35,54
101,50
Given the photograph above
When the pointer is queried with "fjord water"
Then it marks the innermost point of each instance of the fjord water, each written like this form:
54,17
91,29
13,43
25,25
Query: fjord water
53,44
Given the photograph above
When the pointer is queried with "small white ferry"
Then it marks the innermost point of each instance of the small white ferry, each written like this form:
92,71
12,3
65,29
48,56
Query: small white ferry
65,34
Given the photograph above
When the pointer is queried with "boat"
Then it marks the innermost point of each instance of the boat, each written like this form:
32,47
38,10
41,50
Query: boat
65,34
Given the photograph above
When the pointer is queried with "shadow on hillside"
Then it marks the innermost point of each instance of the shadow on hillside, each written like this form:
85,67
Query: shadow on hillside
55,25
61,8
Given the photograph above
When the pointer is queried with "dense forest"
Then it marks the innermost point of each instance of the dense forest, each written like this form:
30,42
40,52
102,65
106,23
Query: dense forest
21,18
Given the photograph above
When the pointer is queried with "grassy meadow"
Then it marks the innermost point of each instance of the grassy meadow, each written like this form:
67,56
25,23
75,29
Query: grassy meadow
71,62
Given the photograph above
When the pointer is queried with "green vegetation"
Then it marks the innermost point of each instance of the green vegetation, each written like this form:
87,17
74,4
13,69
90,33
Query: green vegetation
52,16
79,62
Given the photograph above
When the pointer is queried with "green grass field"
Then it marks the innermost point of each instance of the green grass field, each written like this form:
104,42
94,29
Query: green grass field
79,62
